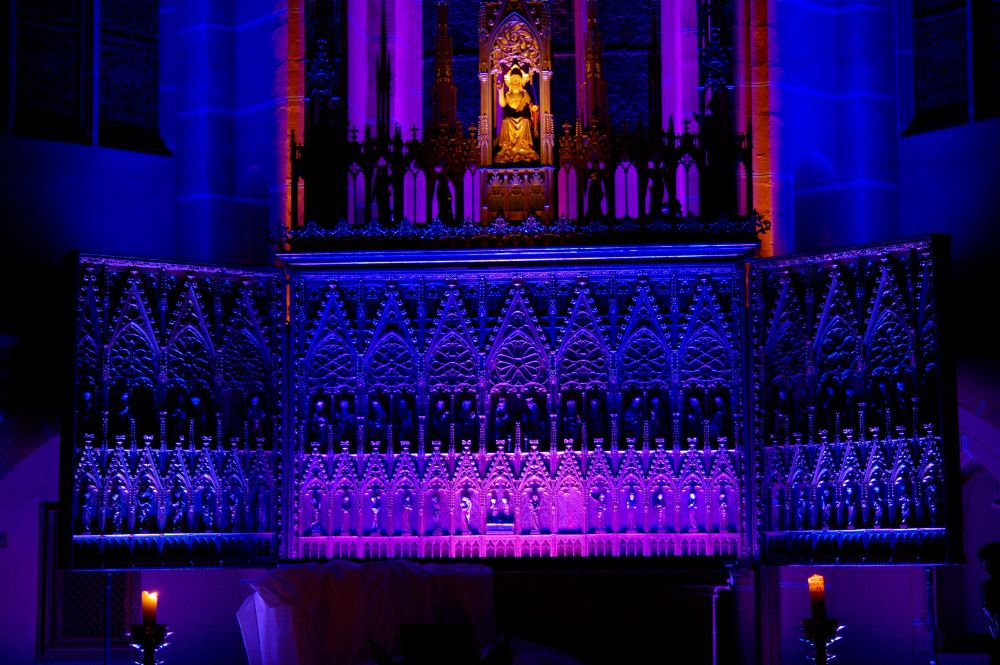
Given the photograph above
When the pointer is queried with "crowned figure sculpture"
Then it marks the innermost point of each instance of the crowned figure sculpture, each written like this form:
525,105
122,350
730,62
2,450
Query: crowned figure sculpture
516,128
519,123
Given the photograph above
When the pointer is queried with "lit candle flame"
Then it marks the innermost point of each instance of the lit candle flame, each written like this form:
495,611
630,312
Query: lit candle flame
817,595
149,600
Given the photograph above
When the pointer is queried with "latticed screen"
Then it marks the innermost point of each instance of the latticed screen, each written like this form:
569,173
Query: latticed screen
75,603
80,603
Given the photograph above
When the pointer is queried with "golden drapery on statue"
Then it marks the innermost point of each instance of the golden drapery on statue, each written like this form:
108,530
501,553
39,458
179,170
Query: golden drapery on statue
519,125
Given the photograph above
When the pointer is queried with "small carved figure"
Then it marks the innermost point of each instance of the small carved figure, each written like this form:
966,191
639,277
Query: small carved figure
147,499
123,414
825,506
782,408
345,509
904,509
234,509
466,503
830,405
535,504
631,507
407,513
444,201
532,423
179,418
376,506
657,422
931,499
595,196
719,426
255,417
440,422
850,500
86,413
435,515
800,512
87,509
117,510
494,508
208,509
877,506
467,424
178,506
343,422
661,511
198,416
881,397
723,510
776,511
595,419
693,419
850,402
502,422
505,503
692,510
571,421
601,506
904,404
263,522
318,422
378,421
316,499
632,418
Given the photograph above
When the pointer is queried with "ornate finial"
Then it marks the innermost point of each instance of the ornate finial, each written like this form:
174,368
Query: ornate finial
443,93
594,98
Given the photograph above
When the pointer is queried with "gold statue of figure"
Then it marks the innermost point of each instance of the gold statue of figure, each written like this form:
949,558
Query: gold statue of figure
520,119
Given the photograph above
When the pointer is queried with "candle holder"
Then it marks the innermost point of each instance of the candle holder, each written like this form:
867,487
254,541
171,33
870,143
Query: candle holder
148,638
820,633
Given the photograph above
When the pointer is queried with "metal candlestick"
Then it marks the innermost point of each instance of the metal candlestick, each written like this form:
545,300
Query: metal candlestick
149,638
820,633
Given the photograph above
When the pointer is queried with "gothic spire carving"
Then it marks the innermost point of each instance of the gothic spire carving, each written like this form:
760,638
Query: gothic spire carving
594,92
443,92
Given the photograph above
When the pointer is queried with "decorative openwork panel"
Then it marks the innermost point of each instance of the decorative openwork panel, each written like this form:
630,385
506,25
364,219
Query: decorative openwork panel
853,407
176,424
560,409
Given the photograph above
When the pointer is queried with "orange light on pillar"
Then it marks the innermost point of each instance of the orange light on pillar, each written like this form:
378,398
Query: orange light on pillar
149,599
817,596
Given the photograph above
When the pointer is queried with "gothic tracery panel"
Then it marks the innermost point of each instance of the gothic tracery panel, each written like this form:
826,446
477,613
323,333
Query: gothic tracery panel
536,435
854,449
565,407
176,424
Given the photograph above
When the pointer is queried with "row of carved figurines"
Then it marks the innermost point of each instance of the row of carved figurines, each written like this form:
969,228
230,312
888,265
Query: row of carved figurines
191,415
500,514
205,513
850,512
512,413
840,402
